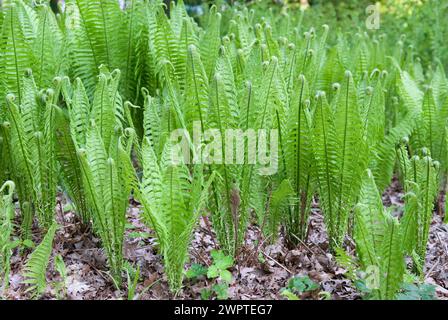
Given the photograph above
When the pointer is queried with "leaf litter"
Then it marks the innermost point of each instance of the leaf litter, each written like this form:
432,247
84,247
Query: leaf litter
261,271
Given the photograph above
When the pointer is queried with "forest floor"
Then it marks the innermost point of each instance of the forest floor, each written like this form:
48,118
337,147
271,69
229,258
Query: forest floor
261,271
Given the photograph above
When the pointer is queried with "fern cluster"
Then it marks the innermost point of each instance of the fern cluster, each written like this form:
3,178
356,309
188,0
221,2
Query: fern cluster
421,186
383,241
379,241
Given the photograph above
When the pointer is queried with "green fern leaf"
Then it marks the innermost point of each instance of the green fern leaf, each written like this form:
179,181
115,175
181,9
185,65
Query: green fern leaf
35,268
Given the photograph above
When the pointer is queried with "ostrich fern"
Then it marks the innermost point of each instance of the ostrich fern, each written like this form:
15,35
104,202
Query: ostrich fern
32,148
35,269
421,185
379,241
299,159
340,156
173,201
104,148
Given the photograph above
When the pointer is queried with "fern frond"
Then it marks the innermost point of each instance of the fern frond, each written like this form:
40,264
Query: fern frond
16,55
167,47
369,222
353,159
104,108
326,165
196,89
103,22
210,41
172,200
134,17
279,202
6,232
392,262
48,48
187,38
69,165
35,268
384,158
18,143
299,156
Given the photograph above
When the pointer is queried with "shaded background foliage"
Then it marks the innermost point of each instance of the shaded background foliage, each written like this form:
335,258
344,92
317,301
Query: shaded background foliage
399,17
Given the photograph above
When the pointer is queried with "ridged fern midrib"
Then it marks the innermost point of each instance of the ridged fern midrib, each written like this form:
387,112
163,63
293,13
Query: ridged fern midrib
414,166
427,213
251,168
112,203
299,136
167,43
327,168
49,135
280,140
172,205
366,123
291,68
19,94
430,124
98,210
105,33
42,56
239,64
344,145
92,47
404,168
7,142
21,145
40,159
442,147
103,88
365,240
196,91
265,106
128,56
74,159
249,100
305,58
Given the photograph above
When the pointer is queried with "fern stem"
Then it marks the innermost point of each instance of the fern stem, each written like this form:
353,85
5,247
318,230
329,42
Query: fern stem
94,54
23,151
105,33
226,179
430,126
42,50
327,168
130,47
280,140
19,93
344,142
97,209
